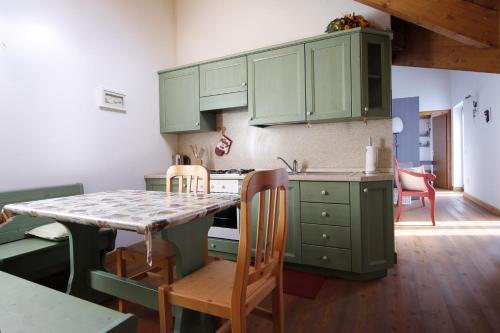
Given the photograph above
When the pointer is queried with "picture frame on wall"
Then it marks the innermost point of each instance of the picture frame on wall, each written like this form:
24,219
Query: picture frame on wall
112,100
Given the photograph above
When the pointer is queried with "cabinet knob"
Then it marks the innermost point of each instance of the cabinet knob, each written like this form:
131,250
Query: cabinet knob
309,113
212,246
366,109
243,84
251,118
197,124
323,192
365,190
324,214
325,258
325,236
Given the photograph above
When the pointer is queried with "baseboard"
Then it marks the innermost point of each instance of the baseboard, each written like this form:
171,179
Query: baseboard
458,189
490,208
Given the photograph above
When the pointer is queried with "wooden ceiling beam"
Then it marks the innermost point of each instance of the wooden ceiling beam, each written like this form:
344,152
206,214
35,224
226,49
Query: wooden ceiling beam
419,47
463,21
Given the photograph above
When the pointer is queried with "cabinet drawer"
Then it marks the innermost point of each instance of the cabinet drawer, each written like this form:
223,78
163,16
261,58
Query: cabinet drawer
333,192
324,213
222,245
326,257
326,235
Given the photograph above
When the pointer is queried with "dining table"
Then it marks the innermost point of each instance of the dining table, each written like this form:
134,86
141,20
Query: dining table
183,219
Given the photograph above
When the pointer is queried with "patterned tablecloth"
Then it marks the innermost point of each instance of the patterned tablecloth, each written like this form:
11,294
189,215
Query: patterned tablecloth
144,212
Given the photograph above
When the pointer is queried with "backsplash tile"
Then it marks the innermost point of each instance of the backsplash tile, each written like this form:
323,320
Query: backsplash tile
333,145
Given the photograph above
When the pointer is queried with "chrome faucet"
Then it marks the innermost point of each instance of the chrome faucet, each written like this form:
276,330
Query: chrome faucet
294,169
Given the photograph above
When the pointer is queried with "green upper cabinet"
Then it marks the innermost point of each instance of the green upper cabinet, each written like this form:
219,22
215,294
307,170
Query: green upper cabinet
293,238
371,75
328,79
223,84
276,86
180,102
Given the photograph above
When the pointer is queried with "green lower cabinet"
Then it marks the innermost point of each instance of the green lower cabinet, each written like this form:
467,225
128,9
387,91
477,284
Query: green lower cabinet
160,184
326,257
372,226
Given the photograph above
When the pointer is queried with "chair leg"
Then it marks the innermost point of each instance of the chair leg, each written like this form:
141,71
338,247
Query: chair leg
121,270
400,206
423,201
164,310
278,308
432,199
238,322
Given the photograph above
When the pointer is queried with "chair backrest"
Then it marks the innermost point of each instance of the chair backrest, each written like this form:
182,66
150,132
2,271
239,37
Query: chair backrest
192,173
270,231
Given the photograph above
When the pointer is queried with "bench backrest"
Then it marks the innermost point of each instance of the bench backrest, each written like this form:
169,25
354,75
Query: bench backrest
15,229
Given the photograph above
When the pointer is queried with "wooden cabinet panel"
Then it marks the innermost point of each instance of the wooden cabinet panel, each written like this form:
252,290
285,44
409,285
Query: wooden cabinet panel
180,102
327,257
325,213
223,77
332,192
326,235
328,79
276,86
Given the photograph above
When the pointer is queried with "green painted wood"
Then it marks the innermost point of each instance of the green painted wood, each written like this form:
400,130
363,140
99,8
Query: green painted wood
29,307
328,79
217,102
356,240
223,77
326,235
327,257
377,225
189,242
16,229
222,245
330,192
180,103
276,86
325,213
293,239
371,68
131,290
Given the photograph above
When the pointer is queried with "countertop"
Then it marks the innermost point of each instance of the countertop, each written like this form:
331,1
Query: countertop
344,176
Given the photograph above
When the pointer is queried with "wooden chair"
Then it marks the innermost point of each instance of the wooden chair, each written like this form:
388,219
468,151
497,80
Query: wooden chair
163,252
232,290
429,191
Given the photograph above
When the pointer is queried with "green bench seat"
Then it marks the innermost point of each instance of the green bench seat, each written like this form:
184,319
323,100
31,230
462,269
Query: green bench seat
34,258
29,307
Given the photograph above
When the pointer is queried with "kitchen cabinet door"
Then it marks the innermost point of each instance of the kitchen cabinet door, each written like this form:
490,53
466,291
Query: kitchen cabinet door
180,102
372,226
276,86
328,79
293,240
371,59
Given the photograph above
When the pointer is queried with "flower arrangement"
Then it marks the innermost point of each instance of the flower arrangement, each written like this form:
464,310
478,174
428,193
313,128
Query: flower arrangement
348,21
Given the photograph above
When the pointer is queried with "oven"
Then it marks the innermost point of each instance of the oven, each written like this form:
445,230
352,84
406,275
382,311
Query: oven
226,223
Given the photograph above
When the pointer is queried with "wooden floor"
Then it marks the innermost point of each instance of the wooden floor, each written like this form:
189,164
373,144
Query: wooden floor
447,280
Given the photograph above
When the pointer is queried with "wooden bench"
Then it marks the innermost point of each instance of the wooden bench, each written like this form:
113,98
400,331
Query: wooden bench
29,307
34,258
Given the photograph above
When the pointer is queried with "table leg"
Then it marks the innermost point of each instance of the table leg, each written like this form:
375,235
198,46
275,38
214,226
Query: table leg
84,256
189,240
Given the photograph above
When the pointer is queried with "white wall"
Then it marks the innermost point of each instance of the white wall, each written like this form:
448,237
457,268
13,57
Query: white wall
481,158
208,29
58,52
432,86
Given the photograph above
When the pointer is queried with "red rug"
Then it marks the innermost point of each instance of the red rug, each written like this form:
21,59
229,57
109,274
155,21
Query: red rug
302,284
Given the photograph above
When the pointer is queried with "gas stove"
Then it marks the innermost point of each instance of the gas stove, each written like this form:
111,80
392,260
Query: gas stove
230,171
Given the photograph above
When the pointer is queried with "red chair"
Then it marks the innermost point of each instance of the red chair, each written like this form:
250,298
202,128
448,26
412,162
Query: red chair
429,191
